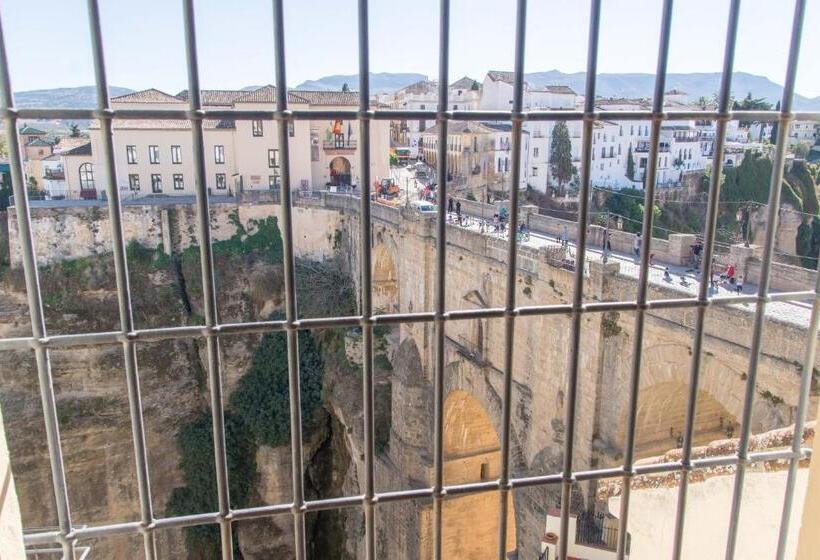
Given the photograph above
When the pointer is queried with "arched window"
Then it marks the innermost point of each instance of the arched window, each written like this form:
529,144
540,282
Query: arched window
86,176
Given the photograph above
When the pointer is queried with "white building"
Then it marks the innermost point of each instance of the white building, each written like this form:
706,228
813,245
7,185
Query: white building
156,156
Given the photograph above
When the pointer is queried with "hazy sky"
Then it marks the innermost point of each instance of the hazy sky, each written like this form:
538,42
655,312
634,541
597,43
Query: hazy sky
48,43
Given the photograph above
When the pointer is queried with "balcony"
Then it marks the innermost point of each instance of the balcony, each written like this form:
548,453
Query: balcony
54,175
339,146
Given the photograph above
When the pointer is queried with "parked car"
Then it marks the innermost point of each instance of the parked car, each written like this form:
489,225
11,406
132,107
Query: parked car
424,208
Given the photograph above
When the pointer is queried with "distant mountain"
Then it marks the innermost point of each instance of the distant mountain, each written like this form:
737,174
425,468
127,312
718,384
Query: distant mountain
695,85
84,97
381,82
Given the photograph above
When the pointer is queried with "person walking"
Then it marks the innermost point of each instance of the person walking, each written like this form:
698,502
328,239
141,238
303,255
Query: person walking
739,285
564,236
450,204
636,246
458,210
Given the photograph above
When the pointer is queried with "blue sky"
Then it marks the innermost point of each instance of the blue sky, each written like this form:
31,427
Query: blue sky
48,44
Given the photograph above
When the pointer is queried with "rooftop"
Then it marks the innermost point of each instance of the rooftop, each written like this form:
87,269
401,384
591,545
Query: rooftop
150,95
84,150
215,97
464,83
420,87
328,97
30,130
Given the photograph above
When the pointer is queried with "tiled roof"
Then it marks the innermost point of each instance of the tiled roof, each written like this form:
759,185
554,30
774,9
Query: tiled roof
39,142
328,97
146,96
217,97
558,89
84,150
266,94
676,92
420,87
498,76
30,130
464,83
166,124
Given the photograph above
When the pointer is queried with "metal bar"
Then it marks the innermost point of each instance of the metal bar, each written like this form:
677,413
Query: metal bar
123,287
643,275
800,420
368,501
706,273
441,269
262,327
395,114
35,309
765,269
208,283
259,512
578,287
505,489
291,315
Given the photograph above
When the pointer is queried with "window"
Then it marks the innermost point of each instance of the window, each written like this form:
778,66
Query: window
221,182
134,182
156,183
86,177
485,471
219,154
131,154
273,180
179,184
612,151
273,158
535,172
603,151
256,128
153,154
535,152
291,129
176,154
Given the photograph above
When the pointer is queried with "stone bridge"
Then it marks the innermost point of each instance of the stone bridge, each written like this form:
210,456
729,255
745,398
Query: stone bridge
403,281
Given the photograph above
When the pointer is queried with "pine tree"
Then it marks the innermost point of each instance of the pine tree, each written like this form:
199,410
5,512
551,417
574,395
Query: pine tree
630,164
561,155
345,87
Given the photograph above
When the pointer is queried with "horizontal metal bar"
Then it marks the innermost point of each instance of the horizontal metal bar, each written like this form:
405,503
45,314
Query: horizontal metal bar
48,537
261,327
394,114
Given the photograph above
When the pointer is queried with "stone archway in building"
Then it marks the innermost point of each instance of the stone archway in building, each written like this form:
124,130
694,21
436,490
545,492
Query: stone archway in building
385,280
472,453
340,171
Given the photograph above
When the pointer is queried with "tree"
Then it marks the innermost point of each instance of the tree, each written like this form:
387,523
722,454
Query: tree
750,103
703,102
561,155
630,164
775,125
345,87
74,130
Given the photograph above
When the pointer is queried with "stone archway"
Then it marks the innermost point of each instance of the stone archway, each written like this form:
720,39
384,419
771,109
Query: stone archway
664,394
472,453
385,280
340,171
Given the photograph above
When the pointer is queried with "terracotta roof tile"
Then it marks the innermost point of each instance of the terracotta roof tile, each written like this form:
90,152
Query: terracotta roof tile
217,97
151,95
328,97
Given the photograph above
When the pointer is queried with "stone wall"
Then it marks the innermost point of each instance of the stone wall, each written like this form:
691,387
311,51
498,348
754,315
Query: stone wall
69,233
784,277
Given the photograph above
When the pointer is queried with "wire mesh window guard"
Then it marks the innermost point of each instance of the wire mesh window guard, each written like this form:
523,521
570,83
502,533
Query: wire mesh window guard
68,534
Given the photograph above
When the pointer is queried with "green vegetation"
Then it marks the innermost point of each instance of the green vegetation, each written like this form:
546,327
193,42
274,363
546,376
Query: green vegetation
561,155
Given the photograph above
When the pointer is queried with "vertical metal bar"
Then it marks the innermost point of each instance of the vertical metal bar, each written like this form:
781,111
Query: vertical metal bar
763,288
643,274
365,115
291,316
208,282
123,288
706,270
441,248
578,289
35,307
800,420
505,488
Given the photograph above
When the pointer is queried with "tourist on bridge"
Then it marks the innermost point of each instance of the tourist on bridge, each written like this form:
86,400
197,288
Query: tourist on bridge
458,210
739,285
450,204
496,221
565,236
636,246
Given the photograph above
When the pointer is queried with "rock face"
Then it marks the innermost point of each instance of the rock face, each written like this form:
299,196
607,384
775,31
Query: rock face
93,409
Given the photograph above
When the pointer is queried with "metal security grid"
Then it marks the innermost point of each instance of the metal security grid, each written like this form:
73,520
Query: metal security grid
69,533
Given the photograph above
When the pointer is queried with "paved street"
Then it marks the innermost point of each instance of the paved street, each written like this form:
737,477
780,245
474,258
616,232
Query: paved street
684,279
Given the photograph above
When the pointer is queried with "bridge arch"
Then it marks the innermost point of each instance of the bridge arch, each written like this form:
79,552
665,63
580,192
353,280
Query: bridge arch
664,394
472,452
385,278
